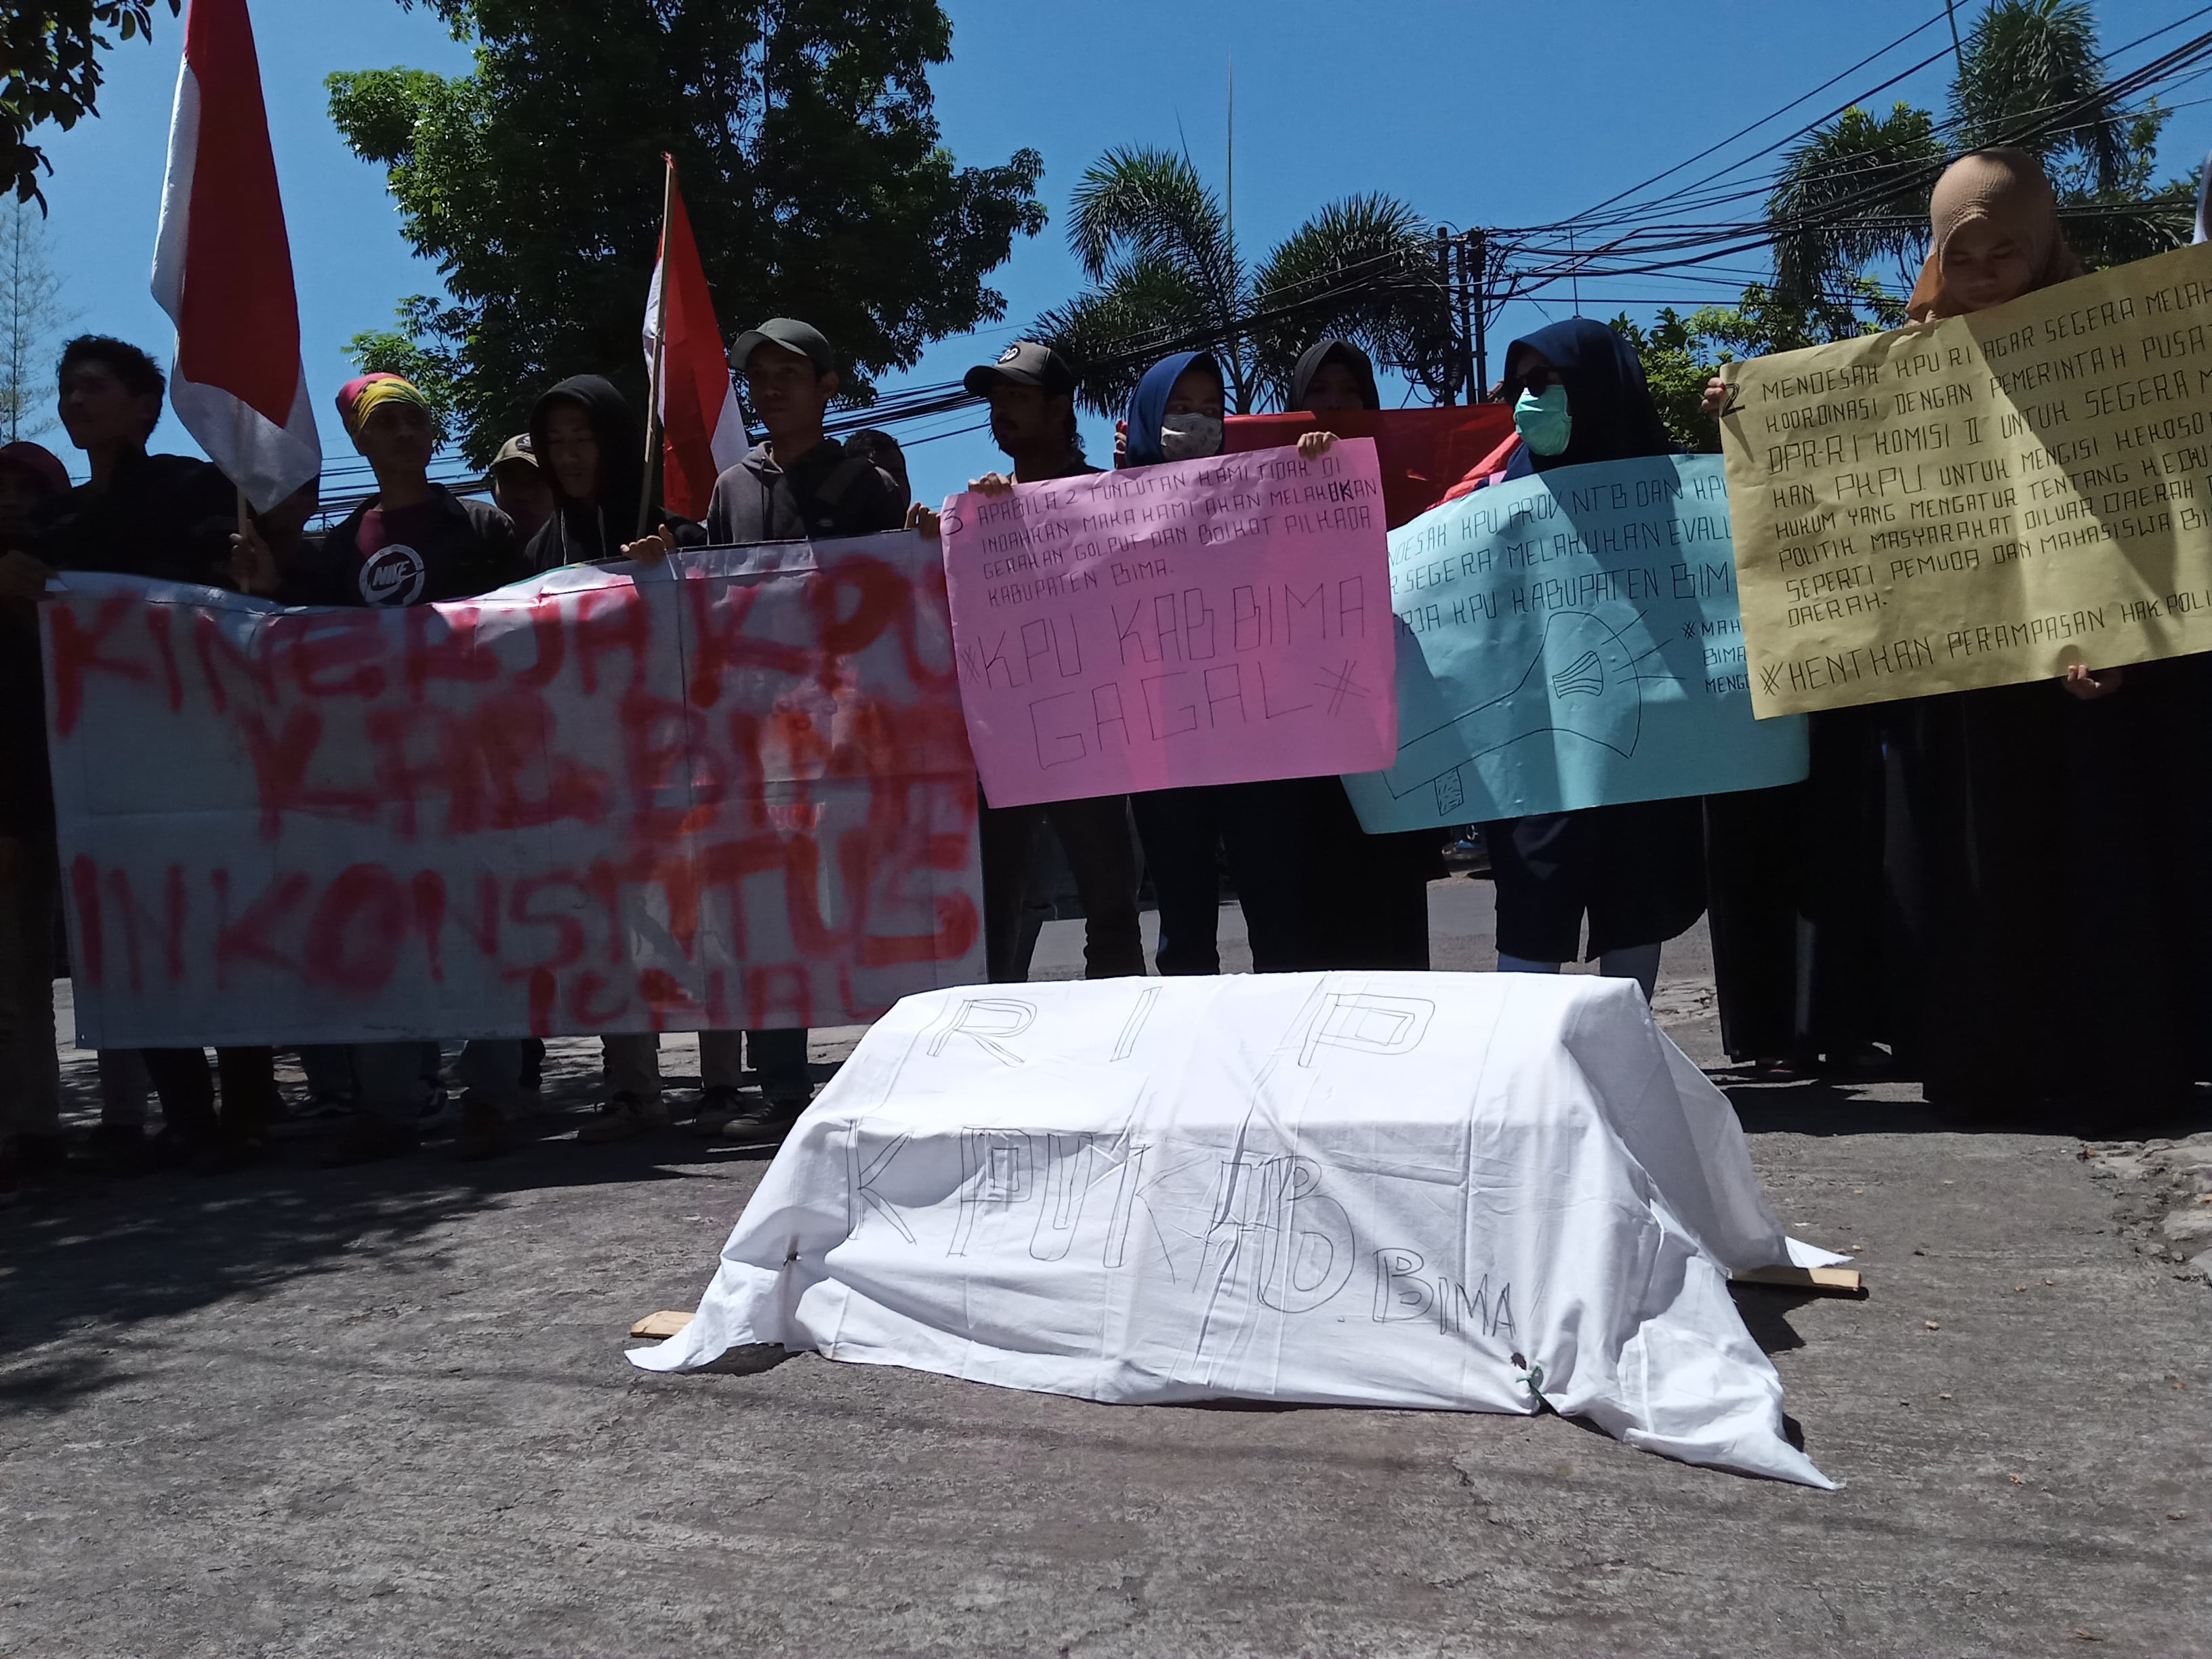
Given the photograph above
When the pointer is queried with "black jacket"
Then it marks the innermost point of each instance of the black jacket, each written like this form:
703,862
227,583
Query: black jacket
582,532
829,491
167,517
456,549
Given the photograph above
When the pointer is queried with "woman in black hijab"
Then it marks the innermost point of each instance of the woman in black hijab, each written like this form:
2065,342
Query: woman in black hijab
1369,894
1638,872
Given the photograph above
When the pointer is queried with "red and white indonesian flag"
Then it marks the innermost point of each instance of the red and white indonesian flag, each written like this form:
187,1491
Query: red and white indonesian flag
223,268
702,433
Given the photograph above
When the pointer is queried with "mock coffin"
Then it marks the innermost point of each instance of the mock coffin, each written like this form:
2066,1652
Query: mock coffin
1467,1192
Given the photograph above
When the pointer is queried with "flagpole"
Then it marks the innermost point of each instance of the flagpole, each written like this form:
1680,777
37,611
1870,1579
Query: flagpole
660,350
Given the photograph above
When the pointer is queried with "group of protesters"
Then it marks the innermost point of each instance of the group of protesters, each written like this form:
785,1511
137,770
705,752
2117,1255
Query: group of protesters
1996,891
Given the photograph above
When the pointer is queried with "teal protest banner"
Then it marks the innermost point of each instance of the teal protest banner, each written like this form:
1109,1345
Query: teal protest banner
1571,640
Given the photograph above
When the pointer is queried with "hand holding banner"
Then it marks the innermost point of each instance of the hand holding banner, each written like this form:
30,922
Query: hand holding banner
1216,621
1571,640
1980,500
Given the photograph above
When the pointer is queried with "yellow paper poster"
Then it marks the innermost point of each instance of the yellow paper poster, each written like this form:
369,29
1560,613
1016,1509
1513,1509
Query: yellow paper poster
1980,500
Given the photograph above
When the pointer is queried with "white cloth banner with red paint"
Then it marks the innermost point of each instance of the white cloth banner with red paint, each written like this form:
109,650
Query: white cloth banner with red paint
733,790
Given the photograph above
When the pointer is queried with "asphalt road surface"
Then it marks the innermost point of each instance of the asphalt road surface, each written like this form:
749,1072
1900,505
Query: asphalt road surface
386,1411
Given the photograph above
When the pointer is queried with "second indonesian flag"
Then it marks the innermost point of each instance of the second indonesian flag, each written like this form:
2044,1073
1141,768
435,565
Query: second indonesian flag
702,433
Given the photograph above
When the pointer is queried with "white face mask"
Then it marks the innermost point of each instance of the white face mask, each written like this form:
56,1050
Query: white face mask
1190,437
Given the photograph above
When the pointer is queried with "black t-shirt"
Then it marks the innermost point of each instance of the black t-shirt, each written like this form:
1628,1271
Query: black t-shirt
448,547
167,517
828,491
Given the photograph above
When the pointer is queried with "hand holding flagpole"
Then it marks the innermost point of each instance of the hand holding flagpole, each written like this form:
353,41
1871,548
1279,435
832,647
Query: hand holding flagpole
659,349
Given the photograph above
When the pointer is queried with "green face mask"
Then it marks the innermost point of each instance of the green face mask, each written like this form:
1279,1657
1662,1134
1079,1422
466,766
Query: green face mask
1542,420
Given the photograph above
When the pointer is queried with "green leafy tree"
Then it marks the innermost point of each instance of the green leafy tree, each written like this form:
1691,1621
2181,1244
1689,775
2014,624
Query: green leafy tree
49,71
2030,74
30,315
1165,271
805,139
1680,353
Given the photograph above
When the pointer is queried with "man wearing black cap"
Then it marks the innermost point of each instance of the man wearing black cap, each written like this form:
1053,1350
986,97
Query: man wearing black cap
799,485
1032,394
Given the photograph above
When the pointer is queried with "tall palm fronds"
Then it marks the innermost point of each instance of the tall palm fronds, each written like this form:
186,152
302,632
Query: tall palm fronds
1157,248
1868,174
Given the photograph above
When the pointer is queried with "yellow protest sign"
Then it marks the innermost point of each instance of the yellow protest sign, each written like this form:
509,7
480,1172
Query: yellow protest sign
1979,501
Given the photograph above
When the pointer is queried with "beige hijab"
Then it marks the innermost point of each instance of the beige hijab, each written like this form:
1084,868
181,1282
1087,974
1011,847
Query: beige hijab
2007,187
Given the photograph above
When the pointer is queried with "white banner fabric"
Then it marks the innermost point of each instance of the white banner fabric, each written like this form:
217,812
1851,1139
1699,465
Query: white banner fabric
1473,1192
730,790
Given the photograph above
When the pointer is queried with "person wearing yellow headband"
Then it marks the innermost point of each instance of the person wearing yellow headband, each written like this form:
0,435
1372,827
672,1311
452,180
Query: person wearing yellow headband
414,541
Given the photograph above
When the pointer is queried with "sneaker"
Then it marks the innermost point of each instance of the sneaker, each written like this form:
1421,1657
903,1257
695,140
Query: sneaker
484,1132
624,1118
717,1106
370,1141
765,1124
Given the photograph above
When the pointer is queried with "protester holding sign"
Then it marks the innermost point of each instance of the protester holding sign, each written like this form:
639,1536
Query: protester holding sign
2059,826
1370,894
169,518
590,446
1031,393
411,543
1175,415
798,484
1637,871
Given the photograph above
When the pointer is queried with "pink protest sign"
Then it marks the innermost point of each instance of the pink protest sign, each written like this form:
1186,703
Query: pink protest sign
1202,621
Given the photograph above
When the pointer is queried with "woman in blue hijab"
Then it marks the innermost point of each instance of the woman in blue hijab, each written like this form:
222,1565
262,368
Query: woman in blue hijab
1637,872
1175,415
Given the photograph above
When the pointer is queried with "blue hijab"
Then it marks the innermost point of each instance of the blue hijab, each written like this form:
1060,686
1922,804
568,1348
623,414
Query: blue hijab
1615,418
1148,404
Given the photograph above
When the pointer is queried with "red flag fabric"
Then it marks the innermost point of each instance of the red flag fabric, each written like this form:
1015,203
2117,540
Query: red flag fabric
702,434
223,268
1423,452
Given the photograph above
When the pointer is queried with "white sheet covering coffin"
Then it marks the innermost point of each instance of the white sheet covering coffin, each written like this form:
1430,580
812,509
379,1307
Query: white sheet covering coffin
1438,1190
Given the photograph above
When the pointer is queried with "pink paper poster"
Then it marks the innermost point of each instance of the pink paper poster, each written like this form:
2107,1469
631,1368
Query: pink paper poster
1215,621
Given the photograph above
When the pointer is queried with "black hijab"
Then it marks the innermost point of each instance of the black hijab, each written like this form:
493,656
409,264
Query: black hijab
1614,417
595,529
1333,350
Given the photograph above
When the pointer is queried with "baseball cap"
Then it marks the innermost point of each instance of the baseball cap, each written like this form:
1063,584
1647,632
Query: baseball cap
789,333
1025,363
517,448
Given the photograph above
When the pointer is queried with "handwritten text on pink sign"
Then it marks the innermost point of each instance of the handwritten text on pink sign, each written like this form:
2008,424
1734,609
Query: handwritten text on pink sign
1202,621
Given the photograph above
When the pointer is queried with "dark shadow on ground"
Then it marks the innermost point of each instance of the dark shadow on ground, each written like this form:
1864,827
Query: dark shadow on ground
124,1250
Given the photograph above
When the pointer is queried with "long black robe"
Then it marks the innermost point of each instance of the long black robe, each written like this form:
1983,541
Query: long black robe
2061,850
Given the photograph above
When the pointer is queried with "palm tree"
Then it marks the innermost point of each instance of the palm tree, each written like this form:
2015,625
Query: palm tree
1876,173
1856,192
1166,275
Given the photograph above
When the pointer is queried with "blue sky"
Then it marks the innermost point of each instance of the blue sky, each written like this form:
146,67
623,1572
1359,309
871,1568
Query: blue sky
1476,113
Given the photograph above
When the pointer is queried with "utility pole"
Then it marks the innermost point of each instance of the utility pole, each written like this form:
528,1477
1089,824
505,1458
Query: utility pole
1957,52
1475,267
1452,370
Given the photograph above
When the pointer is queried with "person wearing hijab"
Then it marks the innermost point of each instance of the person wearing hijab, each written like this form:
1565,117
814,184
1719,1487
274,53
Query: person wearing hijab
1637,872
2059,825
1176,414
1369,894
